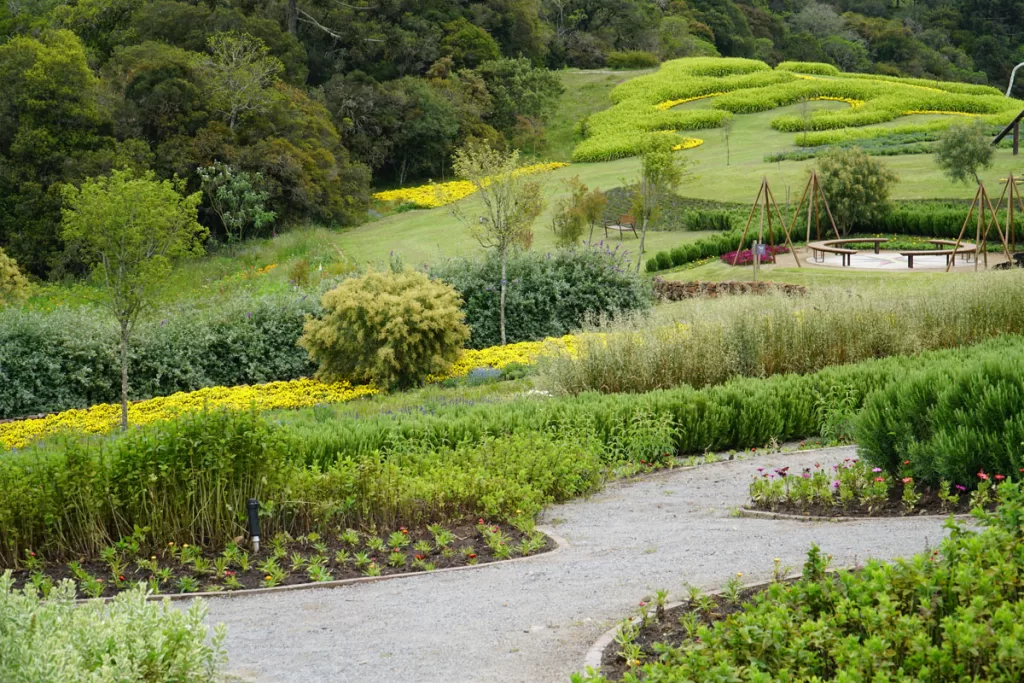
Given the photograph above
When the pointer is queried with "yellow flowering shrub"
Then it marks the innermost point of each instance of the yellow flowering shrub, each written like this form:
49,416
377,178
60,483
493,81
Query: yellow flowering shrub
687,143
668,104
852,102
936,111
300,393
438,194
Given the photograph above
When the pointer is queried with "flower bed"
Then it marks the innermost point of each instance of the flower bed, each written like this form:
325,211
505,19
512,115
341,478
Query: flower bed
855,488
301,393
746,257
281,561
934,617
438,194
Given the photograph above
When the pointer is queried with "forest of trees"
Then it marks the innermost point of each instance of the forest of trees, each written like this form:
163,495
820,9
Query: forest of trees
324,98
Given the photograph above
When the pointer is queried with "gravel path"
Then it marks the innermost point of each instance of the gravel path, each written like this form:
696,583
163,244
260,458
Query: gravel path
534,621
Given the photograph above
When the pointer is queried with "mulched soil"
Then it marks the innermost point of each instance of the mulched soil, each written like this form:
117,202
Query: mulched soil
468,540
668,630
929,504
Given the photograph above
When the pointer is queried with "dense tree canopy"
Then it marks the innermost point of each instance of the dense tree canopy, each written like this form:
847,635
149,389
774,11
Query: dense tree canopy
319,98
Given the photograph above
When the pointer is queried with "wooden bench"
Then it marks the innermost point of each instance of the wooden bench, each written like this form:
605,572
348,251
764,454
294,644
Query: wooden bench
966,250
861,240
624,224
823,248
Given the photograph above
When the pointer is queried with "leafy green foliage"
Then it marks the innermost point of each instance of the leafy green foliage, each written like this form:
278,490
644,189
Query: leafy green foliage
580,209
857,187
393,329
817,68
104,642
970,580
68,358
548,295
236,198
963,151
518,88
660,174
950,423
237,76
632,59
13,285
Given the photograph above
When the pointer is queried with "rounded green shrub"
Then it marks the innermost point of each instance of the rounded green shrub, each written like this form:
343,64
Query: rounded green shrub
390,328
632,59
816,68
651,265
13,284
678,256
664,260
948,424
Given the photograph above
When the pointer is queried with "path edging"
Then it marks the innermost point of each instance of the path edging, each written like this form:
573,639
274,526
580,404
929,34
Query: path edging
766,514
560,545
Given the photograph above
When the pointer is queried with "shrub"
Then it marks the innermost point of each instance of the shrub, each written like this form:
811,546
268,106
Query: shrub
393,329
632,59
678,256
664,260
817,68
66,358
652,266
185,480
549,295
963,150
13,285
128,639
973,610
857,187
742,336
949,423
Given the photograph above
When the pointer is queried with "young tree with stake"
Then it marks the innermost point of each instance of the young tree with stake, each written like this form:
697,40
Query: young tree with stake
511,203
661,171
131,230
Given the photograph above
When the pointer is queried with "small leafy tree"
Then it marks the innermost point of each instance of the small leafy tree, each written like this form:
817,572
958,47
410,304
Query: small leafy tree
511,201
569,220
857,187
237,75
391,328
962,151
661,171
13,284
726,133
131,230
235,197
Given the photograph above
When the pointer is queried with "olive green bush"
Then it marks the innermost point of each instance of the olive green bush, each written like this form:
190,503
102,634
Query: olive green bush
391,328
548,295
54,640
13,285
857,187
949,424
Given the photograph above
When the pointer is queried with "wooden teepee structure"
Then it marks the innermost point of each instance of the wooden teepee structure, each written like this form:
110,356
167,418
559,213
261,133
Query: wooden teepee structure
1011,194
764,204
815,198
985,217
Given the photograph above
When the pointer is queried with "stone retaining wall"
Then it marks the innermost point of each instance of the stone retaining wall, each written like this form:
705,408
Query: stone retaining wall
675,291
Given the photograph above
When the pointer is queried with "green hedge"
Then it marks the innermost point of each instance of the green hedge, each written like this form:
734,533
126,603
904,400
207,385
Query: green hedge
816,68
632,59
947,424
68,358
548,295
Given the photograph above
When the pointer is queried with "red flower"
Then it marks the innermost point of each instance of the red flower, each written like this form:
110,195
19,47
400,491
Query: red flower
642,603
32,554
906,462
753,450
1000,477
480,521
404,530
908,480
419,557
472,556
982,476
228,572
120,578
879,479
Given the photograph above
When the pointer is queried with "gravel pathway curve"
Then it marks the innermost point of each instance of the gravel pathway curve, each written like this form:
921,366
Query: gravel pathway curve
533,621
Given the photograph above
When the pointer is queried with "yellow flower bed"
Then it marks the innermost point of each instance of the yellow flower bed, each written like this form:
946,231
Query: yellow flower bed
300,393
668,104
687,143
853,103
438,194
105,417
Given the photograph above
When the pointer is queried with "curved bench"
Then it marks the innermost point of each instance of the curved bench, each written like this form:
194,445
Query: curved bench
965,249
834,247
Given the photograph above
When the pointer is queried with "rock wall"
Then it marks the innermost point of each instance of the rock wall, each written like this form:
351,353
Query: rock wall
676,291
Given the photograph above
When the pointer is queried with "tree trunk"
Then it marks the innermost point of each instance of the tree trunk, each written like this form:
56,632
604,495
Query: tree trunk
728,156
501,305
293,17
124,377
643,236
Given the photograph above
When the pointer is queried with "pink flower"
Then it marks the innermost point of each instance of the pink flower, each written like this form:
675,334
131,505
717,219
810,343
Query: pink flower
876,470
908,480
982,476
959,487
879,479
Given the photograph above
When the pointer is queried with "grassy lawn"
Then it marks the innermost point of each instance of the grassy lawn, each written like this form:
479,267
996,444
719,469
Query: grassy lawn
815,277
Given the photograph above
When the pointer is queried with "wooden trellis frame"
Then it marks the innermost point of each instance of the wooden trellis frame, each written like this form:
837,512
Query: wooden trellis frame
812,192
764,203
981,203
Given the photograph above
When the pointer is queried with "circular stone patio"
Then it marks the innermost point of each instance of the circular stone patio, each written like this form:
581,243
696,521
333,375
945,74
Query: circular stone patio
886,261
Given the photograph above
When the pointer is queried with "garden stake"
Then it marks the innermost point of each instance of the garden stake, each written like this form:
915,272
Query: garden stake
254,523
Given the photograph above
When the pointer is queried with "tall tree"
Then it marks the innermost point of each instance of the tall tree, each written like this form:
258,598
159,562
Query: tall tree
131,230
511,201
237,75
962,151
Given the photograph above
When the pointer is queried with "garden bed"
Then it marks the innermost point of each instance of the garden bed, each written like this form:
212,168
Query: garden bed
284,561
